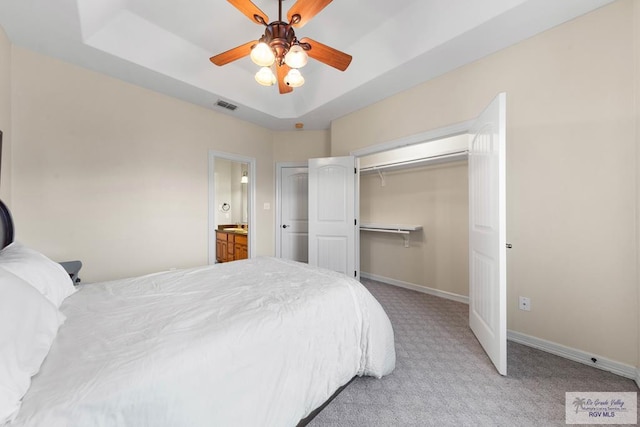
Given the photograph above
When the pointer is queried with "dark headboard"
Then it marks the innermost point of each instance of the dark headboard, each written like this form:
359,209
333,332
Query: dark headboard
6,228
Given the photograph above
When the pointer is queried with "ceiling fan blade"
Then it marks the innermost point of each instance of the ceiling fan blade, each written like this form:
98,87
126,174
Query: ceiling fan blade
251,11
282,71
305,9
328,55
233,54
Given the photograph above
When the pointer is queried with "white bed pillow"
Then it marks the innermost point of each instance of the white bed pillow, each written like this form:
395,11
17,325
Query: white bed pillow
28,325
47,276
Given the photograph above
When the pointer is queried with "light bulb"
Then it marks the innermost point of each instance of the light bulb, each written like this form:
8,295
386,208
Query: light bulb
296,57
265,77
294,78
262,55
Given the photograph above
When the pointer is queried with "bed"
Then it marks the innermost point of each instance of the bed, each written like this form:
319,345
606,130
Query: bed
258,342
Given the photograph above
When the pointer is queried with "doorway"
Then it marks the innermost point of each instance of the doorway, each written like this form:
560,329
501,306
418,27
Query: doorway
292,213
231,198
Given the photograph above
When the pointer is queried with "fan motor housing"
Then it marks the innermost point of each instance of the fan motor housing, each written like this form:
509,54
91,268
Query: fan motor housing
279,36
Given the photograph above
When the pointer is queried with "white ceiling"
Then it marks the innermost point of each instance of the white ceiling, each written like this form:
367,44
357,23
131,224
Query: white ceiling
165,45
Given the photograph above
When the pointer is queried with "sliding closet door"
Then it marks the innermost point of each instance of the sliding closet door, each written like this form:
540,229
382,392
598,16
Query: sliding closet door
487,232
332,214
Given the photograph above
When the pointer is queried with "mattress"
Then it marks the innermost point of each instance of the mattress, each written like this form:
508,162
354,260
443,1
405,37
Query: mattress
259,342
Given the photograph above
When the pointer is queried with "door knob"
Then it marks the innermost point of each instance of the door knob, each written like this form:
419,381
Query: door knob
284,226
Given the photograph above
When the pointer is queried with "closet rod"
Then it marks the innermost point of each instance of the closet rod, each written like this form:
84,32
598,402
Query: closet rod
458,155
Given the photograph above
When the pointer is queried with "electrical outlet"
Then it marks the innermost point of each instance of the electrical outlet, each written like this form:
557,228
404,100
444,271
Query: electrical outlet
524,304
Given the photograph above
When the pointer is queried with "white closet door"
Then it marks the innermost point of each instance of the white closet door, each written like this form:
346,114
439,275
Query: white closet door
294,221
332,214
487,232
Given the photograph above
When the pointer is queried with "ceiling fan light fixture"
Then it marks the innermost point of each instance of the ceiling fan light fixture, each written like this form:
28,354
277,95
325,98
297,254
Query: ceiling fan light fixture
265,77
262,55
294,78
296,57
279,45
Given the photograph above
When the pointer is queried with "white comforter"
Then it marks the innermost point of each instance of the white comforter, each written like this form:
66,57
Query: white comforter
260,342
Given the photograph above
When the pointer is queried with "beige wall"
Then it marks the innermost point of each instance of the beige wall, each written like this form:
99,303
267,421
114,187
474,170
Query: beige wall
5,116
116,175
571,172
300,145
636,49
435,197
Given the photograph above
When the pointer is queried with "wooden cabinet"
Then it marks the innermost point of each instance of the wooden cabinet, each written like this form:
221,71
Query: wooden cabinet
230,246
221,246
240,247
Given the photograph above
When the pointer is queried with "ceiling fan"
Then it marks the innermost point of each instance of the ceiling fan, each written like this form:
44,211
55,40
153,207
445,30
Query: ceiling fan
280,47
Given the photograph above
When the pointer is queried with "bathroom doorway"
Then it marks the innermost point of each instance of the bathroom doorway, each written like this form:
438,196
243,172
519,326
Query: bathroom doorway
231,201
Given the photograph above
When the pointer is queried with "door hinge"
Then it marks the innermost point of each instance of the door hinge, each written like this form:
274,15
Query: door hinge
355,273
355,170
355,222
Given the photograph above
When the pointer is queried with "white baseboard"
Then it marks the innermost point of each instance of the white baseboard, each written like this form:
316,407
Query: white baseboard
414,287
603,363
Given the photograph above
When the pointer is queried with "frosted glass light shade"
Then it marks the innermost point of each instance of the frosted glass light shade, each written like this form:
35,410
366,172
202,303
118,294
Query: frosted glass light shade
265,77
262,55
296,57
294,78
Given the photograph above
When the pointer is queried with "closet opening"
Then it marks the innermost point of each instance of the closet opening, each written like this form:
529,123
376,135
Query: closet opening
485,140
414,217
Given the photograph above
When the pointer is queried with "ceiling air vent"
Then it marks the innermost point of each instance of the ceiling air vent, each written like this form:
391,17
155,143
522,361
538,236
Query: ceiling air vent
225,104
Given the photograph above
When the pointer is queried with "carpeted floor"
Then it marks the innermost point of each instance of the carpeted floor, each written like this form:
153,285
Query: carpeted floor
444,378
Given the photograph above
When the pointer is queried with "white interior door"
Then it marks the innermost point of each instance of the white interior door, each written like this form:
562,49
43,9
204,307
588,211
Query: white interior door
487,232
332,214
294,214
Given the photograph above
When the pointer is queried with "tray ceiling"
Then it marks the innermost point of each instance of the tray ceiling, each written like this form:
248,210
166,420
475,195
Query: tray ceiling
165,45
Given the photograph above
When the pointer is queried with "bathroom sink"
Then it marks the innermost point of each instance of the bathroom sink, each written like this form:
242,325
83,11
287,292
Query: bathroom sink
236,230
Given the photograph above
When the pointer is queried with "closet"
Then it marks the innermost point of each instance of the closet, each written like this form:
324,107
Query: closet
414,217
